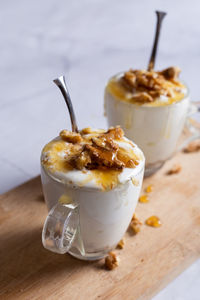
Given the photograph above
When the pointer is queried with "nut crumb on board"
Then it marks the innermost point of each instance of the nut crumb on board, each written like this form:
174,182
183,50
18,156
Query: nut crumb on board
121,244
175,169
111,261
135,224
192,147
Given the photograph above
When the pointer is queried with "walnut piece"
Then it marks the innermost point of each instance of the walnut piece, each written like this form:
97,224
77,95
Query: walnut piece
104,158
121,244
171,73
105,144
115,133
192,147
135,224
111,261
174,170
86,130
71,137
130,78
142,97
81,161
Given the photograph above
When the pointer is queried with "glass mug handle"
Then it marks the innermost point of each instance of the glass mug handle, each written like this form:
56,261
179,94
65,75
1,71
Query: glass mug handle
195,131
61,227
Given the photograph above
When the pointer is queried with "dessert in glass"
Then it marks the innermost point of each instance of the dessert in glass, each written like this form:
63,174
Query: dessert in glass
91,182
152,107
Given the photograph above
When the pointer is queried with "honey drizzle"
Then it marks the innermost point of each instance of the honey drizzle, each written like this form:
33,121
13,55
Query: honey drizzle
144,199
52,159
153,221
149,188
107,179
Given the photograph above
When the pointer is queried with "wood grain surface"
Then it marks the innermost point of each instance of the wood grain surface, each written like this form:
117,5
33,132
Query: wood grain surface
149,261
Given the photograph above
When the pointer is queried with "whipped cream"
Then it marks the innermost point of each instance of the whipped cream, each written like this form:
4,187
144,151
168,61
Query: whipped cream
53,160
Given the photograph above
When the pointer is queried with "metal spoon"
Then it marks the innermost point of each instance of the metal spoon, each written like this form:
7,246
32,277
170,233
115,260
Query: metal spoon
60,82
160,17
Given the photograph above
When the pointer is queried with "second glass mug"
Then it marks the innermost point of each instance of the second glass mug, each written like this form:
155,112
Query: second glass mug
88,222
155,129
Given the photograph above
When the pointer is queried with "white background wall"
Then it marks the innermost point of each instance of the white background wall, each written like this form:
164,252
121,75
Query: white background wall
88,41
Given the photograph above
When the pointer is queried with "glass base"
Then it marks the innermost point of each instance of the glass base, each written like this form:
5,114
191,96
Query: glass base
89,256
150,169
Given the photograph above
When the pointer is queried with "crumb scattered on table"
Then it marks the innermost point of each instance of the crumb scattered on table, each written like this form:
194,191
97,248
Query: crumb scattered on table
192,147
174,170
135,224
121,244
111,261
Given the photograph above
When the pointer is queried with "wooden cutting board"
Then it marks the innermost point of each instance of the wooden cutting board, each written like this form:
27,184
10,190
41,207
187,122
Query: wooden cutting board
149,261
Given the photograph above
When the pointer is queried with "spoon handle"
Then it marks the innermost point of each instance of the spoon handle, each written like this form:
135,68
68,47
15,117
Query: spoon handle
60,82
160,17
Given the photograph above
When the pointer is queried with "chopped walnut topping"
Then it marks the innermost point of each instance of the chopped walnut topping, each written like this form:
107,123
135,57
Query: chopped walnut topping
154,94
142,97
135,224
192,147
71,137
106,144
86,130
111,261
146,86
171,73
115,133
130,78
98,150
174,170
121,244
81,161
104,158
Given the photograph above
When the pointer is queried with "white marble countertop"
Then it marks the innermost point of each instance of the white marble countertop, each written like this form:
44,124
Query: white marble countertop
88,41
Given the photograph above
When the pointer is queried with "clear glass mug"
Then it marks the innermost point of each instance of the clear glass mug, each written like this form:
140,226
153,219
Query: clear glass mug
87,222
155,129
